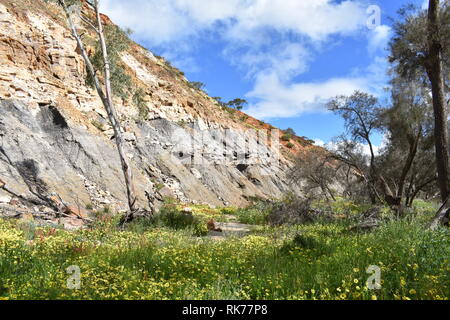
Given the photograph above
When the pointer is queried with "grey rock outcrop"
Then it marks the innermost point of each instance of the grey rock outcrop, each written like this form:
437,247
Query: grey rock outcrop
55,139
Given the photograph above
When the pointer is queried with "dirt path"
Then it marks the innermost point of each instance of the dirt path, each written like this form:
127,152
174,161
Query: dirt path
230,229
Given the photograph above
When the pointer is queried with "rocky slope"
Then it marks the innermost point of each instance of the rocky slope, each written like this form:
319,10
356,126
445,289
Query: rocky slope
55,142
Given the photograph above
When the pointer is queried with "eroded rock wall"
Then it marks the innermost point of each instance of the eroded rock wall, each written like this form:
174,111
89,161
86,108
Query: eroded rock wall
55,138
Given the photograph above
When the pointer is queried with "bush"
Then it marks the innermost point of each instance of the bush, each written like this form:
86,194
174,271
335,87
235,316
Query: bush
286,137
117,41
197,85
290,145
290,131
294,211
139,103
170,216
252,215
315,261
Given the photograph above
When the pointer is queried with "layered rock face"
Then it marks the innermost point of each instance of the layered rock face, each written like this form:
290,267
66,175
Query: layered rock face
55,139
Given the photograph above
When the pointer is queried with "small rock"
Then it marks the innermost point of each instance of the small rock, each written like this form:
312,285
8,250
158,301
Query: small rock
196,173
104,201
5,199
129,136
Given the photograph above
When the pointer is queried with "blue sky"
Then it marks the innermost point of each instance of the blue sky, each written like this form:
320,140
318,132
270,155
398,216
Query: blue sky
286,57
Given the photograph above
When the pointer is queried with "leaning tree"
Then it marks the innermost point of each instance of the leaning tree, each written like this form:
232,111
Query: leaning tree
105,92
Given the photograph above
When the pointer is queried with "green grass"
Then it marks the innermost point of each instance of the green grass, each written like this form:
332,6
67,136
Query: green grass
153,261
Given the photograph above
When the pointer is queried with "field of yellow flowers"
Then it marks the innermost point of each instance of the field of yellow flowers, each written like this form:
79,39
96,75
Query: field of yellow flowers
316,261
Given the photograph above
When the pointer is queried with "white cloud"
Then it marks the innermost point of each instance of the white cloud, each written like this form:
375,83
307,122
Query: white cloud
160,22
272,41
282,100
319,142
284,58
316,19
379,38
363,148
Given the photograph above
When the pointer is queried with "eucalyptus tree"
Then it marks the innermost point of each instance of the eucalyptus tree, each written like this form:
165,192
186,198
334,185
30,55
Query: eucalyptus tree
105,91
420,50
360,112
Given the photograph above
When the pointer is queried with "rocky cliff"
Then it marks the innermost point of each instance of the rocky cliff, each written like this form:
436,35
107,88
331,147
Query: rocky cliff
55,141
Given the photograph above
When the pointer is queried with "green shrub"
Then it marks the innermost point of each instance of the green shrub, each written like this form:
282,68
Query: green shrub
321,261
170,216
286,137
200,229
228,211
230,110
117,41
197,85
290,145
252,215
139,103
98,125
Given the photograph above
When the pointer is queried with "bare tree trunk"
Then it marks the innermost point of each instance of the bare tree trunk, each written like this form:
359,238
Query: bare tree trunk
442,215
408,164
128,174
435,74
107,102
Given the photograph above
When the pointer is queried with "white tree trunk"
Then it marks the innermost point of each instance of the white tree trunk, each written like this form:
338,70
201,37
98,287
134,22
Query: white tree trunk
107,102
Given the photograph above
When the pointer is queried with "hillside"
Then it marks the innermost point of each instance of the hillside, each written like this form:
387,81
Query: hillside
57,143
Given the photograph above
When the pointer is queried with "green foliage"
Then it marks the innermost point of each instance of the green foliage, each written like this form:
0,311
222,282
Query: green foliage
117,41
139,102
182,123
98,125
342,206
317,261
256,214
68,2
228,210
219,101
286,137
409,44
230,110
290,145
171,217
237,103
197,85
290,131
